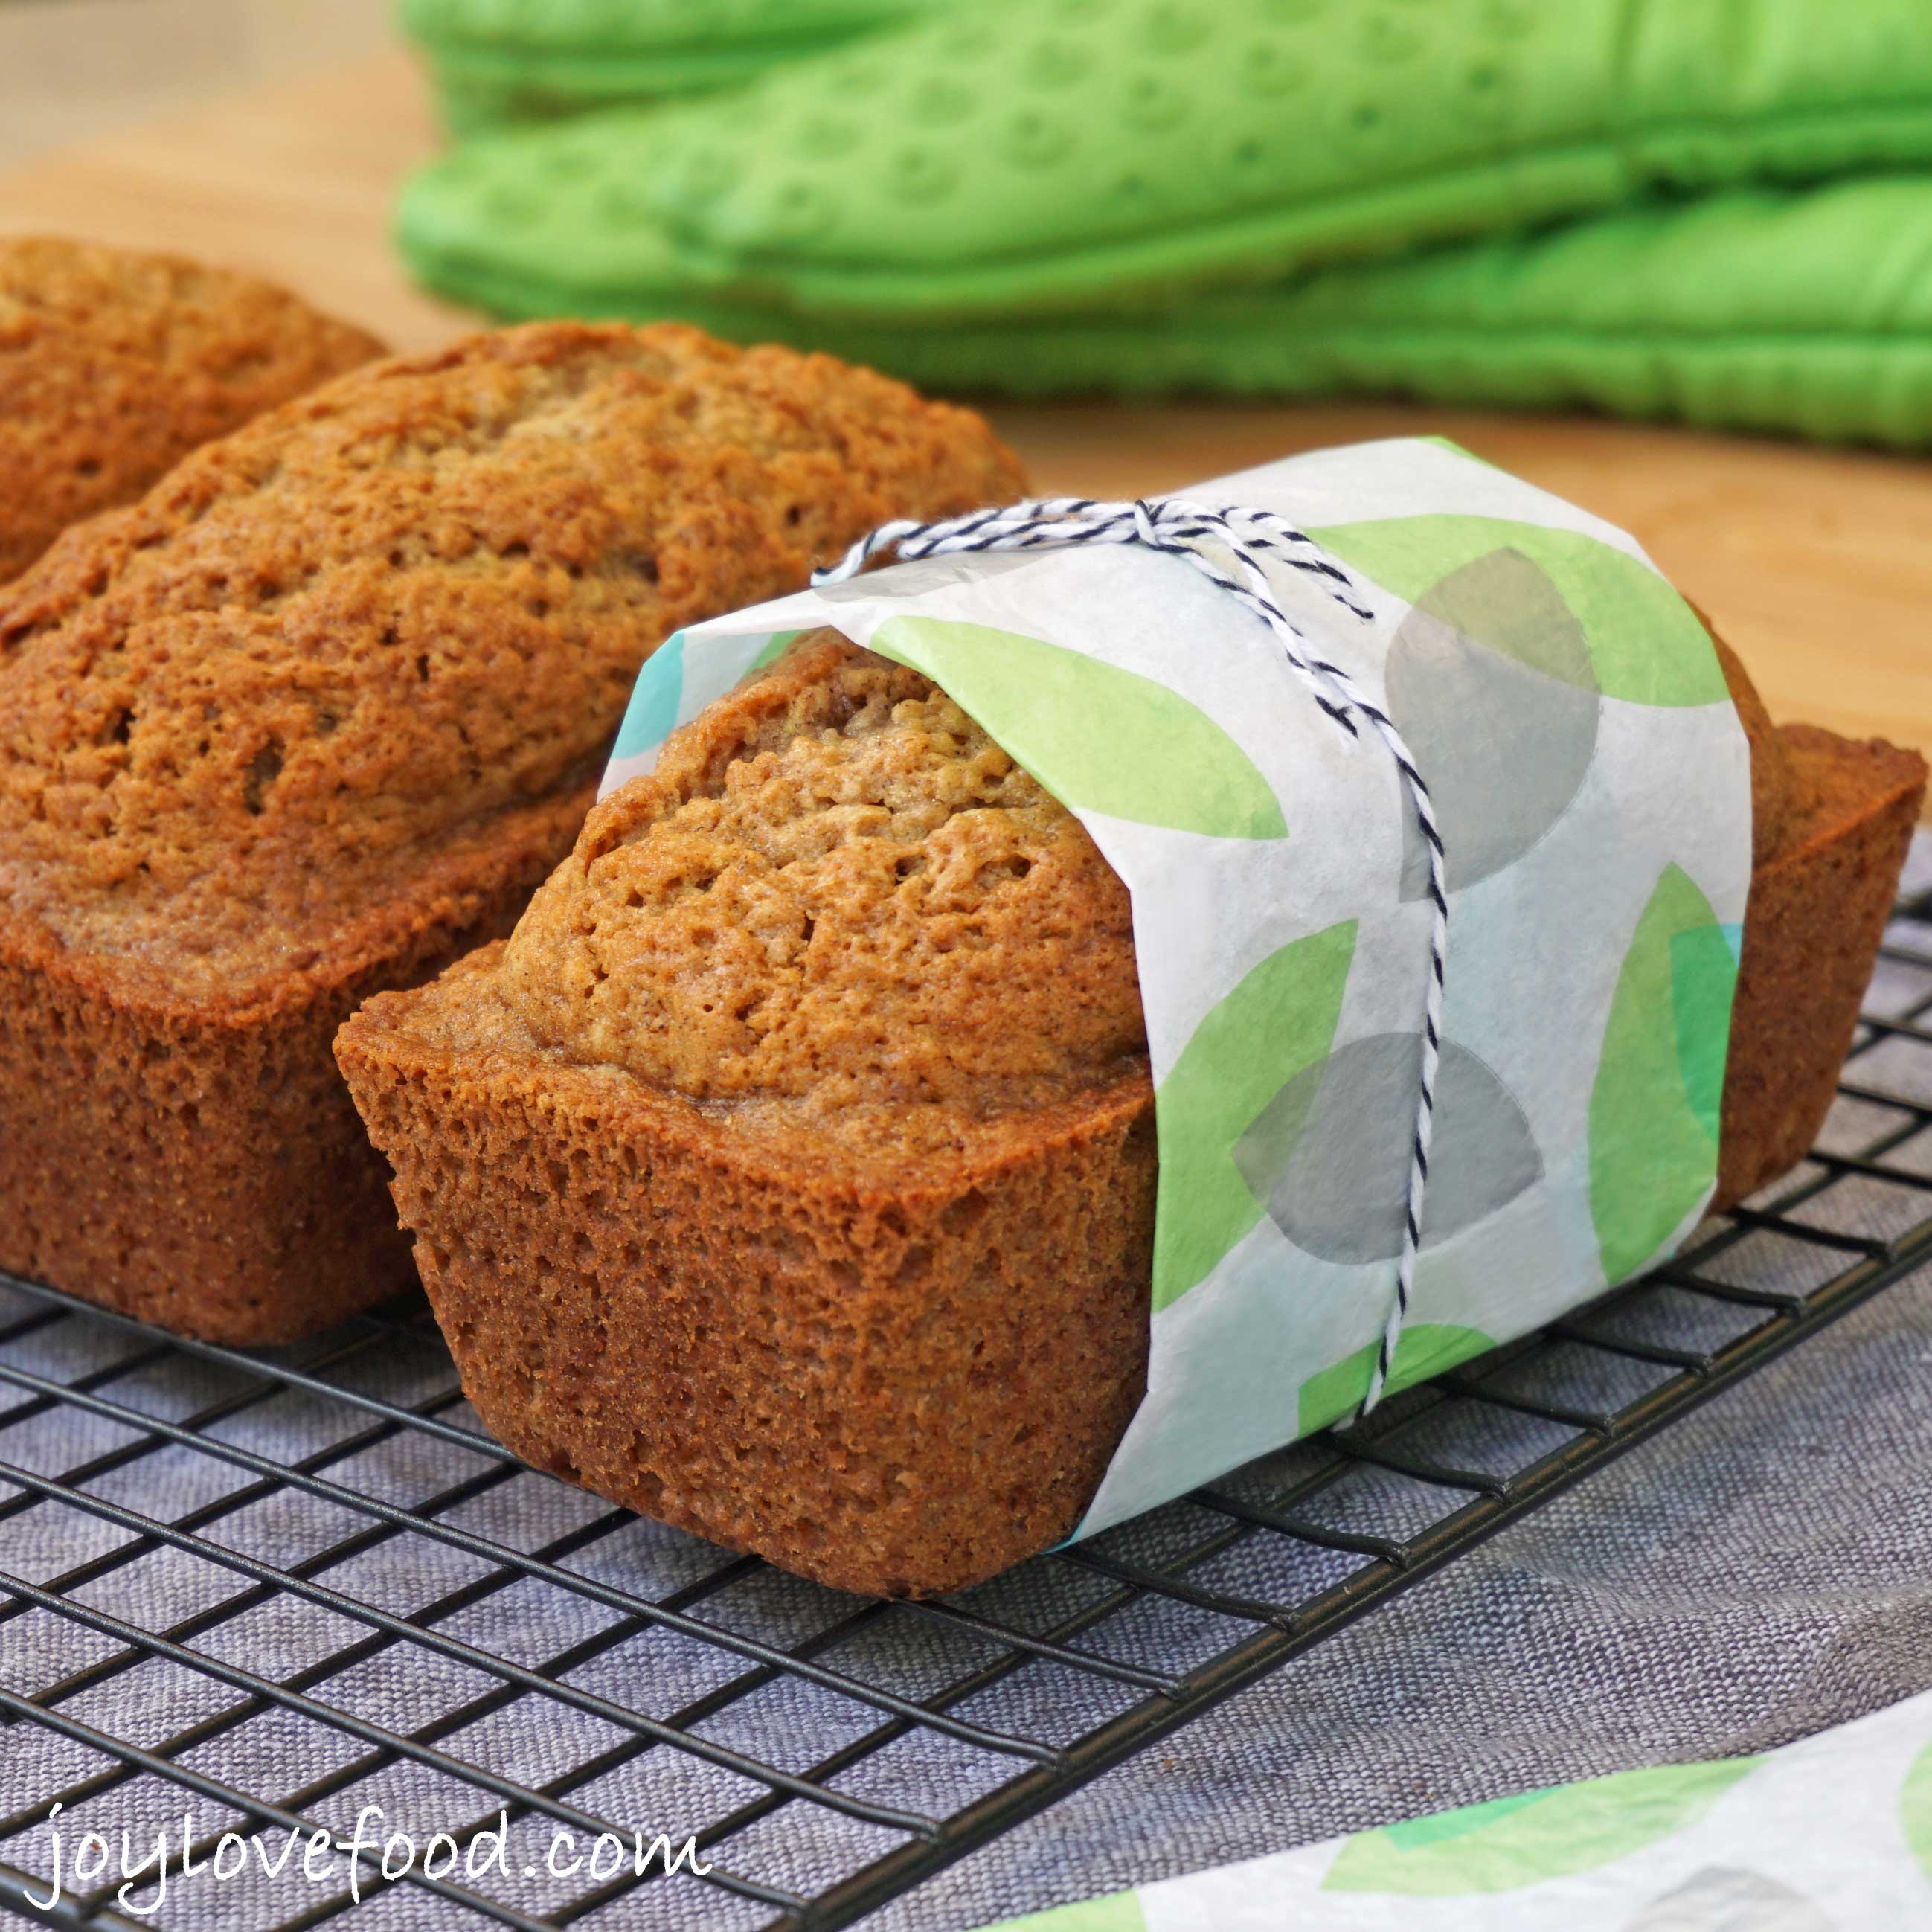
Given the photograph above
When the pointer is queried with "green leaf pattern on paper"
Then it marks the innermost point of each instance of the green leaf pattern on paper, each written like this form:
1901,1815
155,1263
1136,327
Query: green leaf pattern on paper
1643,1850
1914,1809
1703,978
1653,1108
1645,644
1278,1020
1511,1842
1100,738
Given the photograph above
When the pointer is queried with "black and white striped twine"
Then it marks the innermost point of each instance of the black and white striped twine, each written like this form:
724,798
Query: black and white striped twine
1197,532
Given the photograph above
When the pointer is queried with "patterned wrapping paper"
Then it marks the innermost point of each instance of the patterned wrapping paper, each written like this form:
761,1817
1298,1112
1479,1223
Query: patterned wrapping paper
1835,1831
1593,785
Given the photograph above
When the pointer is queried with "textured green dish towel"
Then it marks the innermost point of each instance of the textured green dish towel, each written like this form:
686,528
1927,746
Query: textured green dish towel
1018,156
506,63
1805,311
1146,195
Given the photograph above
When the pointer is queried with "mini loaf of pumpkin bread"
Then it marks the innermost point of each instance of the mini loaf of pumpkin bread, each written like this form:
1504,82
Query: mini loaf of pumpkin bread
114,365
790,1174
315,717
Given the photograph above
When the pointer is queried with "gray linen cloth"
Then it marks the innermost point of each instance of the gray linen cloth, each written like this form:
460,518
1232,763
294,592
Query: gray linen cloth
1761,1569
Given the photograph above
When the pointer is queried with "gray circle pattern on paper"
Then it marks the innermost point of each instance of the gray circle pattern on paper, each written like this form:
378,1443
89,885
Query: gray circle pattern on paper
1328,1155
1722,1898
1491,672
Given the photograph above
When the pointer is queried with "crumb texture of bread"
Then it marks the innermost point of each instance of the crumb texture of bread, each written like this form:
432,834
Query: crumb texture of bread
790,1174
239,714
115,364
319,712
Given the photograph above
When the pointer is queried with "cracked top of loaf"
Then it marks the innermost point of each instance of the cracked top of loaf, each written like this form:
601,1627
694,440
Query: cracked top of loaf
328,662
114,364
836,893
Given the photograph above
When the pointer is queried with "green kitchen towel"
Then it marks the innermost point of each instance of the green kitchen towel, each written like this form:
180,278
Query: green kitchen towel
505,63
1803,311
1018,158
1834,1831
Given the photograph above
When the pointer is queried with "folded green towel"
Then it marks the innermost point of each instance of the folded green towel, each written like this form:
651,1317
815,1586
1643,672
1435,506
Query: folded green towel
1808,311
1021,157
507,63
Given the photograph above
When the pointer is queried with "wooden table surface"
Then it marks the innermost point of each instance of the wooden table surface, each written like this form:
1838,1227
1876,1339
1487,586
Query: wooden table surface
1816,563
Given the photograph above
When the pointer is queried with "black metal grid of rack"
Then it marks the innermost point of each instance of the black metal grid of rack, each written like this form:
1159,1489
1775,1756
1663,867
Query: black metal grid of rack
191,1615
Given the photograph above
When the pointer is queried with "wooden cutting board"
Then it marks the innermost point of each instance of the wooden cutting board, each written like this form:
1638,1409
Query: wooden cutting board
1816,563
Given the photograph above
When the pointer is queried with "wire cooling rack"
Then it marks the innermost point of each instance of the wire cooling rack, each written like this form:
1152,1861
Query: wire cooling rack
266,1592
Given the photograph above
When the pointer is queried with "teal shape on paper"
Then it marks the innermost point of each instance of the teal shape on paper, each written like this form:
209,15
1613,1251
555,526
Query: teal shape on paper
1100,738
1654,1106
1278,1020
1423,1349
1328,1157
652,713
1523,1841
1490,673
1727,1898
1645,644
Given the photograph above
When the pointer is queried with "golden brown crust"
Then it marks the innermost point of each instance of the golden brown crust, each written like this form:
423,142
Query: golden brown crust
837,894
897,1388
1817,910
114,364
205,1169
319,712
1771,791
239,713
890,1364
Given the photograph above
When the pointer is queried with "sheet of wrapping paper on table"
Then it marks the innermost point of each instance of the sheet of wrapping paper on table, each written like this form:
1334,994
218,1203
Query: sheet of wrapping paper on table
1592,782
1831,1833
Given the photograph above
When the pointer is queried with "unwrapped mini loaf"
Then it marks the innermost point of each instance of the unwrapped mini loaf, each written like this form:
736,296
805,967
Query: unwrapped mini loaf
315,716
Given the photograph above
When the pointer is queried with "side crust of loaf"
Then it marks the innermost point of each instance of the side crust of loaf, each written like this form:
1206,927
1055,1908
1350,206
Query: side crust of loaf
1817,910
894,1386
198,1164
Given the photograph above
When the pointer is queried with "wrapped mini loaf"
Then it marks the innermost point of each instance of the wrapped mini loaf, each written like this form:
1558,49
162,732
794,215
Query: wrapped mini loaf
791,1173
114,365
314,717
